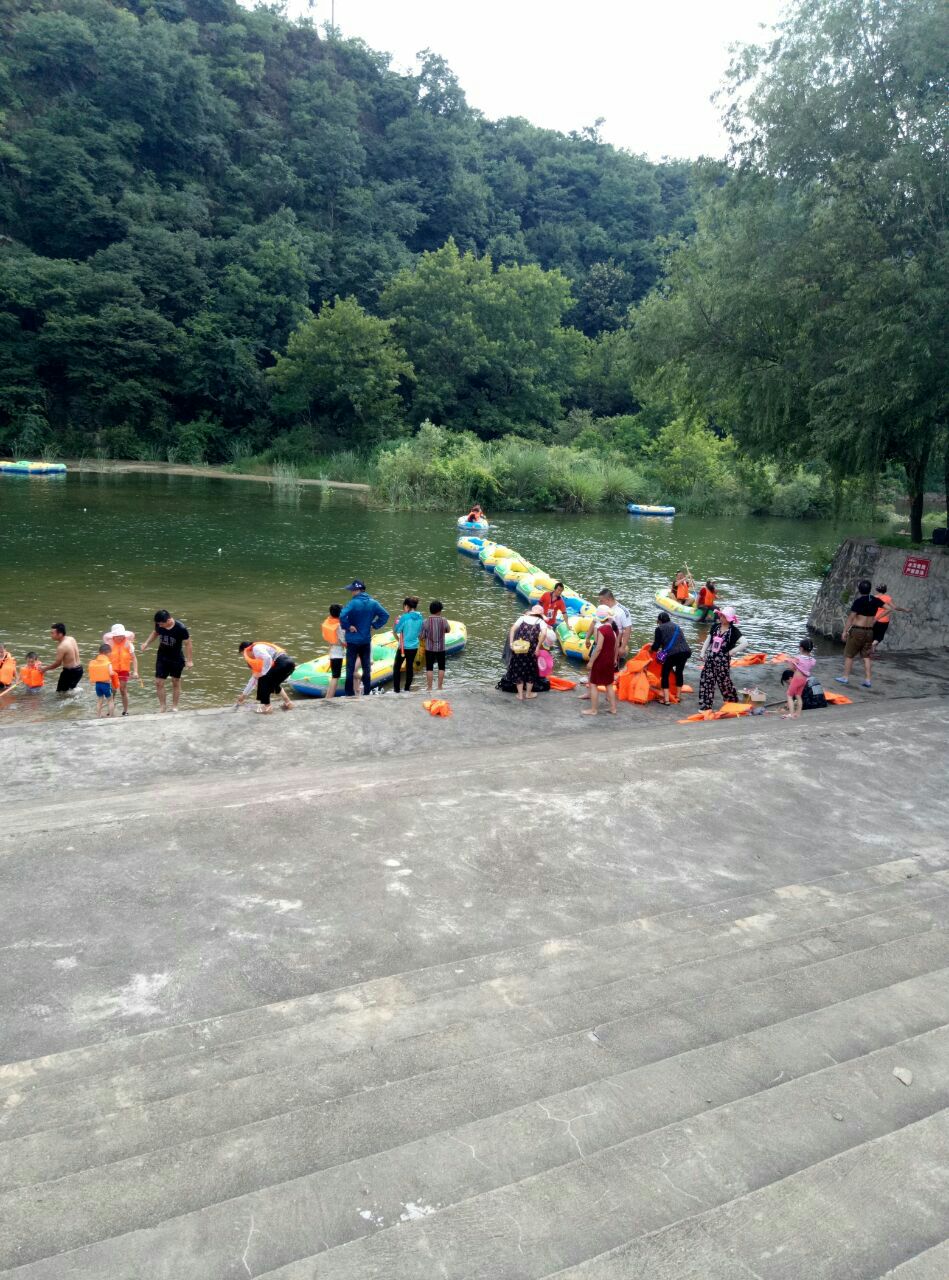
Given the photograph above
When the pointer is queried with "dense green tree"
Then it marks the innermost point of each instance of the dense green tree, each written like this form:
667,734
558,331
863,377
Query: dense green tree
215,171
809,311
488,347
342,373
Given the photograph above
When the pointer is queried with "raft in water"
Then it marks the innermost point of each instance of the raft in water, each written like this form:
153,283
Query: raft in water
311,679
472,524
469,545
641,509
674,608
32,468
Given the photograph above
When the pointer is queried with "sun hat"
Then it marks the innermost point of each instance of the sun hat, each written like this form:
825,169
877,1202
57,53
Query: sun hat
603,611
729,613
118,630
538,609
355,585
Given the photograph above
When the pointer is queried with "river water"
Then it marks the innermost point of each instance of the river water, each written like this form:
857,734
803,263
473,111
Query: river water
243,560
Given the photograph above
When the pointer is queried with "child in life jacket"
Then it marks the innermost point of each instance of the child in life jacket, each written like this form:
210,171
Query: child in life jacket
7,669
102,678
803,664
30,676
337,648
124,659
680,587
705,601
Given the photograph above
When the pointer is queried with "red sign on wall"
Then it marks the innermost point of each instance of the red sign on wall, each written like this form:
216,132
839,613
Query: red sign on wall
916,567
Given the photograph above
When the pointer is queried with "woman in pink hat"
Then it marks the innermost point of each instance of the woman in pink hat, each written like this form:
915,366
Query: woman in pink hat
722,641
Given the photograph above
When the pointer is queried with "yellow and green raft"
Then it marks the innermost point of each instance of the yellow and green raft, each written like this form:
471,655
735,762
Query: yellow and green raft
311,679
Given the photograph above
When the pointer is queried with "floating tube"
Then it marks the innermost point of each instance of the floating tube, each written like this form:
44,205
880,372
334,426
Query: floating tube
33,468
312,678
639,509
470,546
472,524
678,610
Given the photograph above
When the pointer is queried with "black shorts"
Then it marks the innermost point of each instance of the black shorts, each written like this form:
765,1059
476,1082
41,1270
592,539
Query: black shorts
433,660
879,630
336,667
168,666
69,677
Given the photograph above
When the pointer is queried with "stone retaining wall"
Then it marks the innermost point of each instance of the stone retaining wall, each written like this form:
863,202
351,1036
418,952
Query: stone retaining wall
926,627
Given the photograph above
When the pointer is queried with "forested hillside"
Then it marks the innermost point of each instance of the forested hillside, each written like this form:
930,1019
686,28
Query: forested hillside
182,182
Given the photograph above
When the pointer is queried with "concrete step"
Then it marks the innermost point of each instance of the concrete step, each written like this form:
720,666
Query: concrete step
931,1265
830,898
736,1160
493,1016
548,1057
140,1192
339,1203
849,1218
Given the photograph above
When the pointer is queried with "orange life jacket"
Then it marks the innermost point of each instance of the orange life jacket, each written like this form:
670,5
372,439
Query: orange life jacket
121,656
100,669
32,677
7,669
331,631
883,615
257,664
682,591
706,598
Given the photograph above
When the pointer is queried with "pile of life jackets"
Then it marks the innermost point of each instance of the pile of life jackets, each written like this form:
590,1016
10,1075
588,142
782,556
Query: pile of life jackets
641,680
437,707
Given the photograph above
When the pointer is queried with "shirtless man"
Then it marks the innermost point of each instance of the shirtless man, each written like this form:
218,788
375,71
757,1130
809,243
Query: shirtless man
67,657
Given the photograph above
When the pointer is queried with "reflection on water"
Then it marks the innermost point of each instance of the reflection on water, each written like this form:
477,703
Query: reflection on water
242,560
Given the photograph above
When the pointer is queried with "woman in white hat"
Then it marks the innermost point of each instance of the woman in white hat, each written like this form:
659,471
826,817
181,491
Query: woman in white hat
722,641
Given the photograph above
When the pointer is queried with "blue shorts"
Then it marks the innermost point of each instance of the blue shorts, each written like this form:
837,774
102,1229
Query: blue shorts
103,689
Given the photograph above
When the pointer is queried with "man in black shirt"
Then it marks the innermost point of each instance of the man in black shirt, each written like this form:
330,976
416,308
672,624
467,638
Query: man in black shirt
174,654
857,634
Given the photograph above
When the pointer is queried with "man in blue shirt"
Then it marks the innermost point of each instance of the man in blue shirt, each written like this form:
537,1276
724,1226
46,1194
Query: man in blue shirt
356,624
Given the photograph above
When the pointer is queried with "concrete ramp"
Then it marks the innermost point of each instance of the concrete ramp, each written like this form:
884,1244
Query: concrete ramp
675,1008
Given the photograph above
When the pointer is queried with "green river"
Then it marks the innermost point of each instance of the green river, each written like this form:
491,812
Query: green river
242,560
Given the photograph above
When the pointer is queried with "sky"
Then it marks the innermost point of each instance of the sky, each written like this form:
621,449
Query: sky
648,66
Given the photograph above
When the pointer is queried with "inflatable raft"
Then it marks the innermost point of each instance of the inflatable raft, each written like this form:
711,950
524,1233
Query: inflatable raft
33,468
677,610
492,552
469,545
311,679
572,637
641,509
472,524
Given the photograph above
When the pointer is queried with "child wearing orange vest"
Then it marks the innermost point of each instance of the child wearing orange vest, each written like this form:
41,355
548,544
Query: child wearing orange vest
337,648
123,658
7,669
101,677
31,674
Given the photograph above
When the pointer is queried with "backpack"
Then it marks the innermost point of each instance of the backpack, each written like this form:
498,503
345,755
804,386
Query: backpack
812,696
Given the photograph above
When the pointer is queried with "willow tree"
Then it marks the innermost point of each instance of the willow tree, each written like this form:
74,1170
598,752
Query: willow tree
809,310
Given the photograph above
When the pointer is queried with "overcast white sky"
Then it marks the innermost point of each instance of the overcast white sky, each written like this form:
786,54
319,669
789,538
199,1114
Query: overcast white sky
648,66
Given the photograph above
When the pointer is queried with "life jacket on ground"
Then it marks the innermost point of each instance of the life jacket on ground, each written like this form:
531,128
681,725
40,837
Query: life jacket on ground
32,677
750,660
883,615
100,669
7,669
120,657
561,684
330,631
257,664
437,707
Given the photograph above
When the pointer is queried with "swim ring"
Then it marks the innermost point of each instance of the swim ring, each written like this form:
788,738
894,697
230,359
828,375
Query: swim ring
472,524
